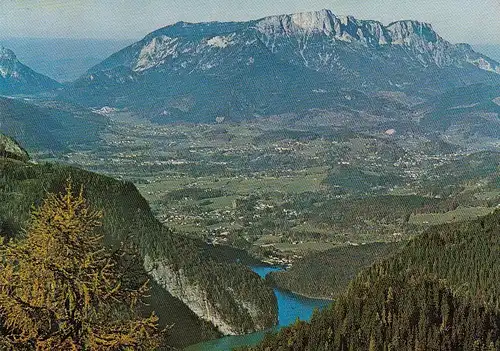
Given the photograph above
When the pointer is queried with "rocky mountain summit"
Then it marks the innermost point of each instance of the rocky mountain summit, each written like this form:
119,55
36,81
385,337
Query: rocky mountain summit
17,78
418,40
312,39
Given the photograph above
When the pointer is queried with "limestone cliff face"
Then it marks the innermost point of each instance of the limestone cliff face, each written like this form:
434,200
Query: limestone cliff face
244,316
277,65
11,149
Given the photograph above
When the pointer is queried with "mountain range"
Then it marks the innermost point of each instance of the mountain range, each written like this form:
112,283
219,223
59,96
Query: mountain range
306,70
279,64
62,59
49,125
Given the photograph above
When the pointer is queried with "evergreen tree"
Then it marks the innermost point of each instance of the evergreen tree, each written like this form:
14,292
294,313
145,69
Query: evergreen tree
60,289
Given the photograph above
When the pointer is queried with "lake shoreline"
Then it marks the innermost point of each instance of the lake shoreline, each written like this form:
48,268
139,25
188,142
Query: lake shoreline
291,307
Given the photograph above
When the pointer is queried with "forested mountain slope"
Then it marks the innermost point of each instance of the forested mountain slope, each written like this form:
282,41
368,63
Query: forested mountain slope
17,78
326,274
440,292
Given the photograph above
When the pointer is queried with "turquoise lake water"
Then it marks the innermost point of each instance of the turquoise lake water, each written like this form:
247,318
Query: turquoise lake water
290,307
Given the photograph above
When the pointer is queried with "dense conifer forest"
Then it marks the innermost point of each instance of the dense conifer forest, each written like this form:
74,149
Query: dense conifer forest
440,292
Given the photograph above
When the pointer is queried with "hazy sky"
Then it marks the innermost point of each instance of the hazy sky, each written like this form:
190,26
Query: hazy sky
469,21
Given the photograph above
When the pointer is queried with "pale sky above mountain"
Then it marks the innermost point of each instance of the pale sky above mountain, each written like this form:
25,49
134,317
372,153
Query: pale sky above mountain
456,20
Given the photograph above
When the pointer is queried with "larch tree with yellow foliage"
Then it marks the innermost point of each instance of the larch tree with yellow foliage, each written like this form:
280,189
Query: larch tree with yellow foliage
61,289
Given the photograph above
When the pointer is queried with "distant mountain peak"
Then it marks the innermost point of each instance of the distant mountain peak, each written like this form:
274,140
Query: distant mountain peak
347,28
17,78
305,21
313,36
411,23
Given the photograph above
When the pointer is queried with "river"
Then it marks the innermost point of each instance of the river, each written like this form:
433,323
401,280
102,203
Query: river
290,307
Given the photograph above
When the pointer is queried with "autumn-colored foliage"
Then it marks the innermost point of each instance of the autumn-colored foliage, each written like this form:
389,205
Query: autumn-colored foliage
61,289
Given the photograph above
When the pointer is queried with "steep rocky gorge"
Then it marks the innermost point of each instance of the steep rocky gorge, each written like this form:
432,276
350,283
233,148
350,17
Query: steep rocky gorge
254,316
